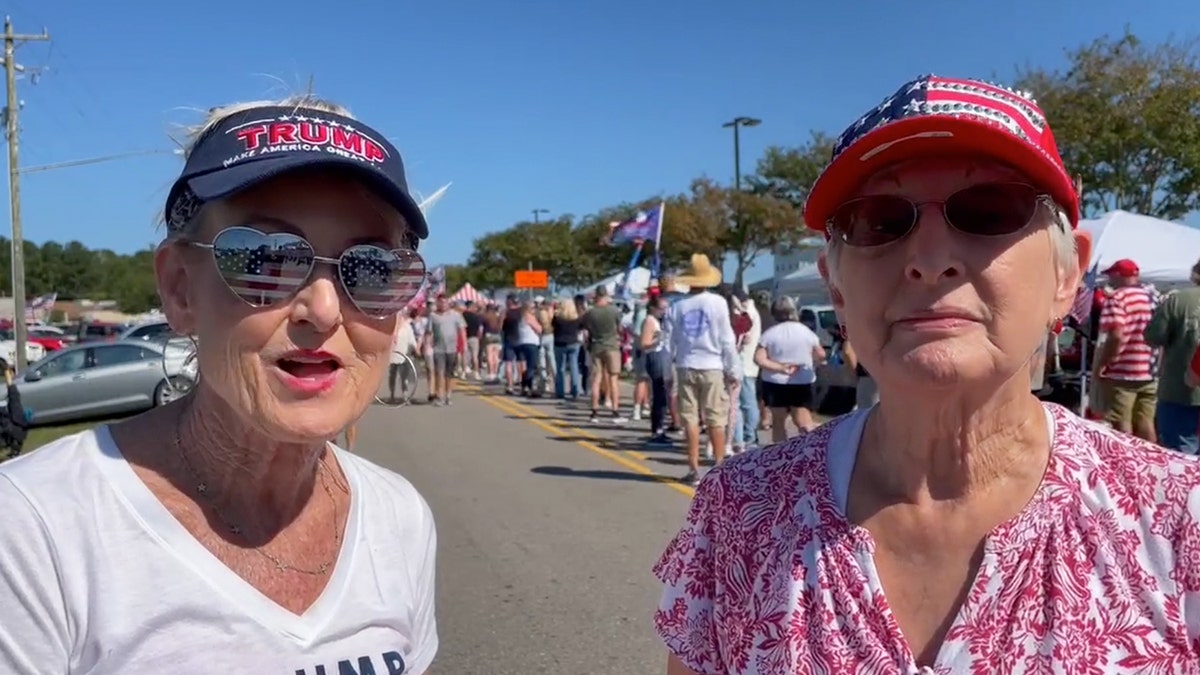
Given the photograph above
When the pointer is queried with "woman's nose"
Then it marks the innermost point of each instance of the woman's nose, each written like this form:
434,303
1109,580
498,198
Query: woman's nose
318,303
931,248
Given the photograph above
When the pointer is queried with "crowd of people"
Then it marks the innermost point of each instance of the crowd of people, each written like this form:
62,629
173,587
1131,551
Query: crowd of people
1146,347
580,348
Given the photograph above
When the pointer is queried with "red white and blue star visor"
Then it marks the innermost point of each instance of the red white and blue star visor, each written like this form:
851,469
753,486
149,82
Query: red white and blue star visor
935,115
254,145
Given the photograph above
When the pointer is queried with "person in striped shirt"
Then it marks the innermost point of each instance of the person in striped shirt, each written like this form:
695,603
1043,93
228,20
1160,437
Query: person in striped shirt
1126,366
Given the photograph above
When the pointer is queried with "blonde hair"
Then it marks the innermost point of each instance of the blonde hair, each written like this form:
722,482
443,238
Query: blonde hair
567,311
192,135
215,115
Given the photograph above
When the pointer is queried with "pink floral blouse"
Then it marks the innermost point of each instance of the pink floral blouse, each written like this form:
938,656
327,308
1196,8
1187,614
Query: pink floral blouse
1099,574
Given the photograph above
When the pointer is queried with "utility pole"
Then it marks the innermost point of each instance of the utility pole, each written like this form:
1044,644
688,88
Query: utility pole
14,187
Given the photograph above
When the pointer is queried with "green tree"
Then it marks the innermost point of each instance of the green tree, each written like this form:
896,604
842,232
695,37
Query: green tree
788,173
550,245
1126,116
457,276
74,271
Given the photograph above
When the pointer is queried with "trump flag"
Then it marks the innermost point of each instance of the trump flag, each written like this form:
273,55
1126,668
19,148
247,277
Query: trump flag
644,227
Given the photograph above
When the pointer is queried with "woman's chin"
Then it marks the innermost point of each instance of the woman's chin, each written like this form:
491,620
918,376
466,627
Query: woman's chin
307,421
945,363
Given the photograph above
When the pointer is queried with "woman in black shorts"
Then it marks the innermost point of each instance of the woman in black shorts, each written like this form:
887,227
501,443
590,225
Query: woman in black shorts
788,354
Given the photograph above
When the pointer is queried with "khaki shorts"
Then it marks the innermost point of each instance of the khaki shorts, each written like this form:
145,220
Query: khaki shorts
703,392
1129,405
607,362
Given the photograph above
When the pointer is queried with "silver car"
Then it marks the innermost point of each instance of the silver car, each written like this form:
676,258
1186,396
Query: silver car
98,379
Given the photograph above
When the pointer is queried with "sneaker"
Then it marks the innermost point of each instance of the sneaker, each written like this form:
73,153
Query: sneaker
691,478
618,418
660,441
595,418
637,414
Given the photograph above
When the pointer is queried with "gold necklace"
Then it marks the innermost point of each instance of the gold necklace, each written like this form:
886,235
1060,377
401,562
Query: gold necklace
201,488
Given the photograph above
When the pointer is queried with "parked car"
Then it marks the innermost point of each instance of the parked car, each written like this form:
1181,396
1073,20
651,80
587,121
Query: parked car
97,331
52,341
34,350
150,330
97,379
820,319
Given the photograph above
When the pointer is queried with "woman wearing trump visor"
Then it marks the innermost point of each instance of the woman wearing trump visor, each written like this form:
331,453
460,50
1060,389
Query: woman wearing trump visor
225,533
959,525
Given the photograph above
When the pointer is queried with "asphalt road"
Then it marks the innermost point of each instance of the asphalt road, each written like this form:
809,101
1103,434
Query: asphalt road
548,528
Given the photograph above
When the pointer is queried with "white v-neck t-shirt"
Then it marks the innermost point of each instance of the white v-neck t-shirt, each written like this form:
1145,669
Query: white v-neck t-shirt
98,578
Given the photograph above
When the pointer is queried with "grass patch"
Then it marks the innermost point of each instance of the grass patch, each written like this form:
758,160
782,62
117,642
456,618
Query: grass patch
39,436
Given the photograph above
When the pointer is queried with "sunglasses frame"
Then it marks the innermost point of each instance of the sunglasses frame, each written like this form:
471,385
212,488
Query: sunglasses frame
1040,198
211,247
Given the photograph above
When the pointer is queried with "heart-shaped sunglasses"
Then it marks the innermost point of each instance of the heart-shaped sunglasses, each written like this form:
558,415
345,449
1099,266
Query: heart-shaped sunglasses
265,269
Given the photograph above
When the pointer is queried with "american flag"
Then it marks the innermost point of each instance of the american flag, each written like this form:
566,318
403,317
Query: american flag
381,282
433,284
1081,309
1004,108
378,281
265,274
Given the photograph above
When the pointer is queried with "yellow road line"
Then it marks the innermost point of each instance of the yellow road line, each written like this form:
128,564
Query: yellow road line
557,420
531,414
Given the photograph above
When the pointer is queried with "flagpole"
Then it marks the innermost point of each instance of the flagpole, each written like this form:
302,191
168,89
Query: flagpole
662,219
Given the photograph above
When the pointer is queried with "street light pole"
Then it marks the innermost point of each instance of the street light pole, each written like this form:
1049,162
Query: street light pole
536,219
737,123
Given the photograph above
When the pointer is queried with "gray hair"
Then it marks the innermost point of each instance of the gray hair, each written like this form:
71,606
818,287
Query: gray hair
1062,241
784,309
193,134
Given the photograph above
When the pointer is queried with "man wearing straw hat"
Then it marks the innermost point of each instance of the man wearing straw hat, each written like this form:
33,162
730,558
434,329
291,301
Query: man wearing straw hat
699,334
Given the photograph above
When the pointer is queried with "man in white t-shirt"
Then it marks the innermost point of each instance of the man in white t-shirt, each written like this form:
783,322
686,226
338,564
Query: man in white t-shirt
699,333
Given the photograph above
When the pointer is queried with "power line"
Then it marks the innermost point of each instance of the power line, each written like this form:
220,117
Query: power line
11,39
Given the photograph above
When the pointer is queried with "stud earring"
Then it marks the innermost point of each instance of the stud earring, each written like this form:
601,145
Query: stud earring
1057,327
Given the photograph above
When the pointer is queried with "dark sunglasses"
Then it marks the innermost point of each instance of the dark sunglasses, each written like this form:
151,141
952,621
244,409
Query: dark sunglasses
265,269
986,210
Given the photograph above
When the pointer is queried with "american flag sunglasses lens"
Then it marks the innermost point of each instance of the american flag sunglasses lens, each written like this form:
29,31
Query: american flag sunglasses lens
381,282
262,269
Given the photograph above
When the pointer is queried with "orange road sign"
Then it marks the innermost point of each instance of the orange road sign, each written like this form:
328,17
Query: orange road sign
532,279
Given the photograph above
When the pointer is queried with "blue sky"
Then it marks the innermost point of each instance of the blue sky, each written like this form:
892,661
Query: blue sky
523,104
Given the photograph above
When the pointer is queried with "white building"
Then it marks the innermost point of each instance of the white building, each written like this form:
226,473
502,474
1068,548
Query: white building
791,258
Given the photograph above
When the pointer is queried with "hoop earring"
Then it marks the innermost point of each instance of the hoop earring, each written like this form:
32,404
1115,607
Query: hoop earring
181,368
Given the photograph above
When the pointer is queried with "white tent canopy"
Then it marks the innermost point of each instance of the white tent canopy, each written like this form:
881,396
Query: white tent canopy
805,285
1164,251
